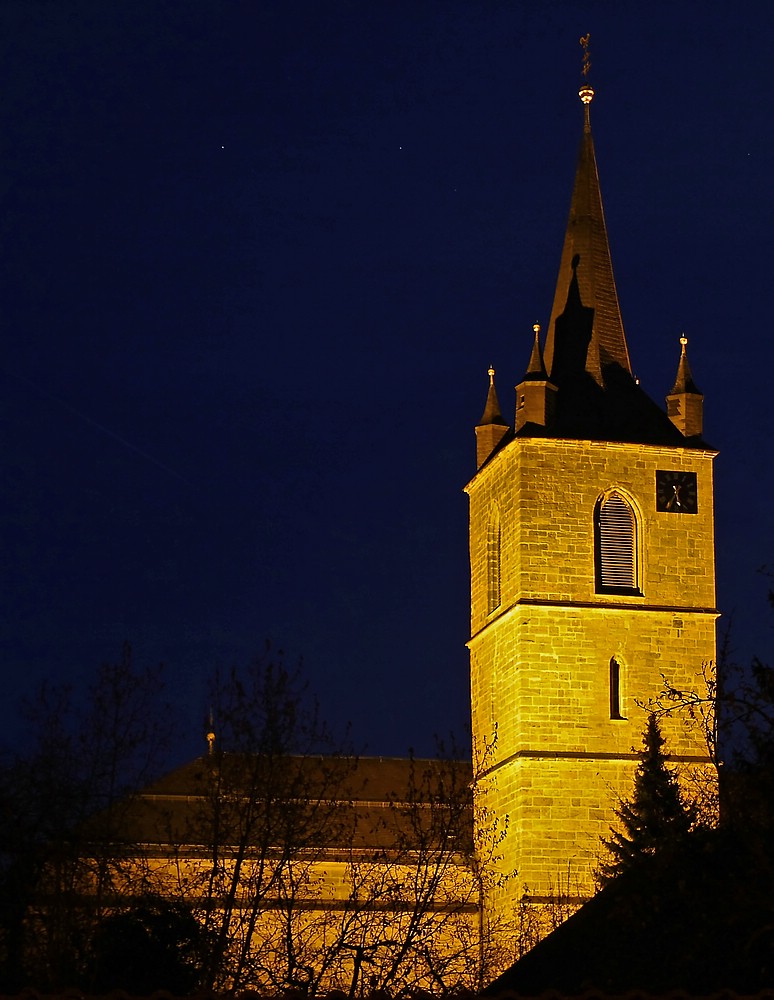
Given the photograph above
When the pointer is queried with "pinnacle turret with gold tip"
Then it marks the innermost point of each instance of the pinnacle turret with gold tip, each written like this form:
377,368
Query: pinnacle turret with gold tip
535,394
492,428
685,403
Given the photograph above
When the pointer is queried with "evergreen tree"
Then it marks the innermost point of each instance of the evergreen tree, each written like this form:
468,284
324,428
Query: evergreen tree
654,817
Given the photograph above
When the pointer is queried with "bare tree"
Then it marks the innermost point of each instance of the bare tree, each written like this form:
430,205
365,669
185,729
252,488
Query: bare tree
312,869
305,867
409,914
66,795
412,900
267,807
732,711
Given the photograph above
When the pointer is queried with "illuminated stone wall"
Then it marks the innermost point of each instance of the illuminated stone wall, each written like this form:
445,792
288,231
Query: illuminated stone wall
540,662
334,912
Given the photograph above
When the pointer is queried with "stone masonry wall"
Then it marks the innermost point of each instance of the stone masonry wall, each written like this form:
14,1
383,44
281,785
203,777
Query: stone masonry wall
540,663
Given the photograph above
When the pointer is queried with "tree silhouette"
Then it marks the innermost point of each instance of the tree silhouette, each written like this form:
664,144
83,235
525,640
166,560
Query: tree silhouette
153,945
656,815
64,799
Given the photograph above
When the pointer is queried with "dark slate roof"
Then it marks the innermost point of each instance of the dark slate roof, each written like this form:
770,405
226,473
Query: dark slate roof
492,414
586,278
619,410
369,802
536,369
586,354
684,380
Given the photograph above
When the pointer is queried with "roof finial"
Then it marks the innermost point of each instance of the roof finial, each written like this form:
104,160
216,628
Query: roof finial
536,369
491,428
684,381
586,92
210,734
685,403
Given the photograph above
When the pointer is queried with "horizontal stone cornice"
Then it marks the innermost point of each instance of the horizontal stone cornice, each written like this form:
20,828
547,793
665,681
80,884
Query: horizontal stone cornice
586,755
632,604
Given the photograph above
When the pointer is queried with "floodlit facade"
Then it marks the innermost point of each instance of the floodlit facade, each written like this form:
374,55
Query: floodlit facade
315,873
592,585
592,575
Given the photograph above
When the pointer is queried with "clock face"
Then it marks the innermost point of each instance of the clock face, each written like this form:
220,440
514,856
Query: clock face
676,492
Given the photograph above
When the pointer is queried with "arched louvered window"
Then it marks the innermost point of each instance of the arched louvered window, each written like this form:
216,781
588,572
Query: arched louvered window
616,711
493,561
616,545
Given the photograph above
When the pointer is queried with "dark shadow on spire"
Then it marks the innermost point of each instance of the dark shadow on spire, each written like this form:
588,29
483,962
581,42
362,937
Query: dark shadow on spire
597,397
572,334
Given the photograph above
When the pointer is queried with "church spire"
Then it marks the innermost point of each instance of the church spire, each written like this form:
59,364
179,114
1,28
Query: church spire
586,332
685,403
580,385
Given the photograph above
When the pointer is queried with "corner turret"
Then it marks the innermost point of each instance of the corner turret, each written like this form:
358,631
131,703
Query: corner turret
535,394
685,403
491,429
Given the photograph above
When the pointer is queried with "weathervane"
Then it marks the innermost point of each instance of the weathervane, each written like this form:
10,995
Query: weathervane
584,41
586,92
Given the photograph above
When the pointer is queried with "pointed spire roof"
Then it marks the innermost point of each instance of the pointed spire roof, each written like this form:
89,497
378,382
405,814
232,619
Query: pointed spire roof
536,370
684,381
581,386
586,327
685,403
492,413
585,352
491,430
535,394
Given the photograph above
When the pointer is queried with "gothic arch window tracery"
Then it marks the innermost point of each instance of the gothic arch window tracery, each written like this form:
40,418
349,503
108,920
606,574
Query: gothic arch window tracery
615,537
493,585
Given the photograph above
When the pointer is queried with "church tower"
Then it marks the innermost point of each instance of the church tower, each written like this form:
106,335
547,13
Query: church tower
592,575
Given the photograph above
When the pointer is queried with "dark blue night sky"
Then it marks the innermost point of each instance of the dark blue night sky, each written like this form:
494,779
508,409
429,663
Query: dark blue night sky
257,258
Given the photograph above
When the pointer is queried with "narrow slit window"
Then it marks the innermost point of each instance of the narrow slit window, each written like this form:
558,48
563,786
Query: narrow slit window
616,544
615,690
493,562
